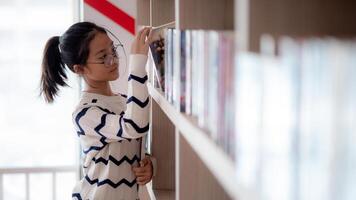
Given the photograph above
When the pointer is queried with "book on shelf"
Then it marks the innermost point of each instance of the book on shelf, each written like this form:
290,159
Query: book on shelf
157,52
211,80
168,59
175,79
226,93
182,73
188,72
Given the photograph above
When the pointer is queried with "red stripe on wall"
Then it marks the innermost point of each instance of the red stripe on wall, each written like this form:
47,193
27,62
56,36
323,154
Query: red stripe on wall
114,13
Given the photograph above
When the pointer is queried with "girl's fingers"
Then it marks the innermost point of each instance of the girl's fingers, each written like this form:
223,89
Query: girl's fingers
139,169
149,37
144,34
138,36
141,174
141,179
145,161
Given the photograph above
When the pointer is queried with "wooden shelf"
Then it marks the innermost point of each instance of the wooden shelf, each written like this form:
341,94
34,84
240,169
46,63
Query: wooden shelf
162,12
220,165
305,18
164,194
151,194
206,14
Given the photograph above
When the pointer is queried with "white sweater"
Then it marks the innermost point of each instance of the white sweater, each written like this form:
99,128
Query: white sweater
110,129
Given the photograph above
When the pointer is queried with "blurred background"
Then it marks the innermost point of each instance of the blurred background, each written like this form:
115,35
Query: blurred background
37,141
41,155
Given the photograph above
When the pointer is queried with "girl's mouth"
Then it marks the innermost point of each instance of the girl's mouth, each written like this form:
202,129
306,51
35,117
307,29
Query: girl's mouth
113,69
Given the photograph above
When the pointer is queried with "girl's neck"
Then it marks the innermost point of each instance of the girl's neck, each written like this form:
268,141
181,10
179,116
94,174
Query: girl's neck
102,88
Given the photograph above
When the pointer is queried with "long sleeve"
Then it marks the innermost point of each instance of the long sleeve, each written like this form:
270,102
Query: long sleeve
96,123
136,116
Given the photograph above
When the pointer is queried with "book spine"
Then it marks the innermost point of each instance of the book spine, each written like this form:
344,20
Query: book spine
176,69
201,78
188,63
167,49
182,72
212,58
195,74
170,67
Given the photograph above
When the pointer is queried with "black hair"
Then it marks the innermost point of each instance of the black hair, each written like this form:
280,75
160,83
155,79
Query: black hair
67,50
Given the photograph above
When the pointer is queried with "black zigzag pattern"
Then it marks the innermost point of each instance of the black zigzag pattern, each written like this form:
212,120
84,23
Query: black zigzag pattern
119,134
124,95
136,127
78,117
102,139
138,102
138,79
77,195
97,130
109,182
116,162
105,110
92,148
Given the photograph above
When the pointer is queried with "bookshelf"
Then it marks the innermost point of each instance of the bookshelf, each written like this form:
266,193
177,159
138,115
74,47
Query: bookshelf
190,164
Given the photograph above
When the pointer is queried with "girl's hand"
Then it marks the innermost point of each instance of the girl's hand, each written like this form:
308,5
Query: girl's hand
141,43
144,172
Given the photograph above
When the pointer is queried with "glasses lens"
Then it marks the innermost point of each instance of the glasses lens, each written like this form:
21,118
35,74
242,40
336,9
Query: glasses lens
110,60
118,51
121,54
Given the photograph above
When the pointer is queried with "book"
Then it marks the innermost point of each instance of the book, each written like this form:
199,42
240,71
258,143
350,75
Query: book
195,73
182,72
169,64
212,67
175,72
188,74
157,54
157,51
226,92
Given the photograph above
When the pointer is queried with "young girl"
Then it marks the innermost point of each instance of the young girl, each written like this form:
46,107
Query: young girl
109,126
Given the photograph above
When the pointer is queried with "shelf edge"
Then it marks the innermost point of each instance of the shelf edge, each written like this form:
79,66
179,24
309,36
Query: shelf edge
219,164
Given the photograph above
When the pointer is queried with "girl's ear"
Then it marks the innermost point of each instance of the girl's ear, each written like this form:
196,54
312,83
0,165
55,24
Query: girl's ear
79,69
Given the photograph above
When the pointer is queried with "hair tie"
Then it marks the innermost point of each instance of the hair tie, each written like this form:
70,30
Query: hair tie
59,44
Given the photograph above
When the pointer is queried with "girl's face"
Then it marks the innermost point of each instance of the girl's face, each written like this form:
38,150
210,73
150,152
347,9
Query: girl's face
97,68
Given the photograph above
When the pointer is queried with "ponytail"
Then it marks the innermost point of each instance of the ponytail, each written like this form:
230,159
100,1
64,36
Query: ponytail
53,70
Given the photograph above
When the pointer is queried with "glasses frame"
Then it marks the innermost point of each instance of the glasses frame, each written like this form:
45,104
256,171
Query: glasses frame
110,59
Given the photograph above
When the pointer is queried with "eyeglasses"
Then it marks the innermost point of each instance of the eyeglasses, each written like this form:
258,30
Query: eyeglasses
118,53
112,58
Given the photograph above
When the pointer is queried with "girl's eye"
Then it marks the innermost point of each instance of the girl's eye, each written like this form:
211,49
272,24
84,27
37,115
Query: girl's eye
102,57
